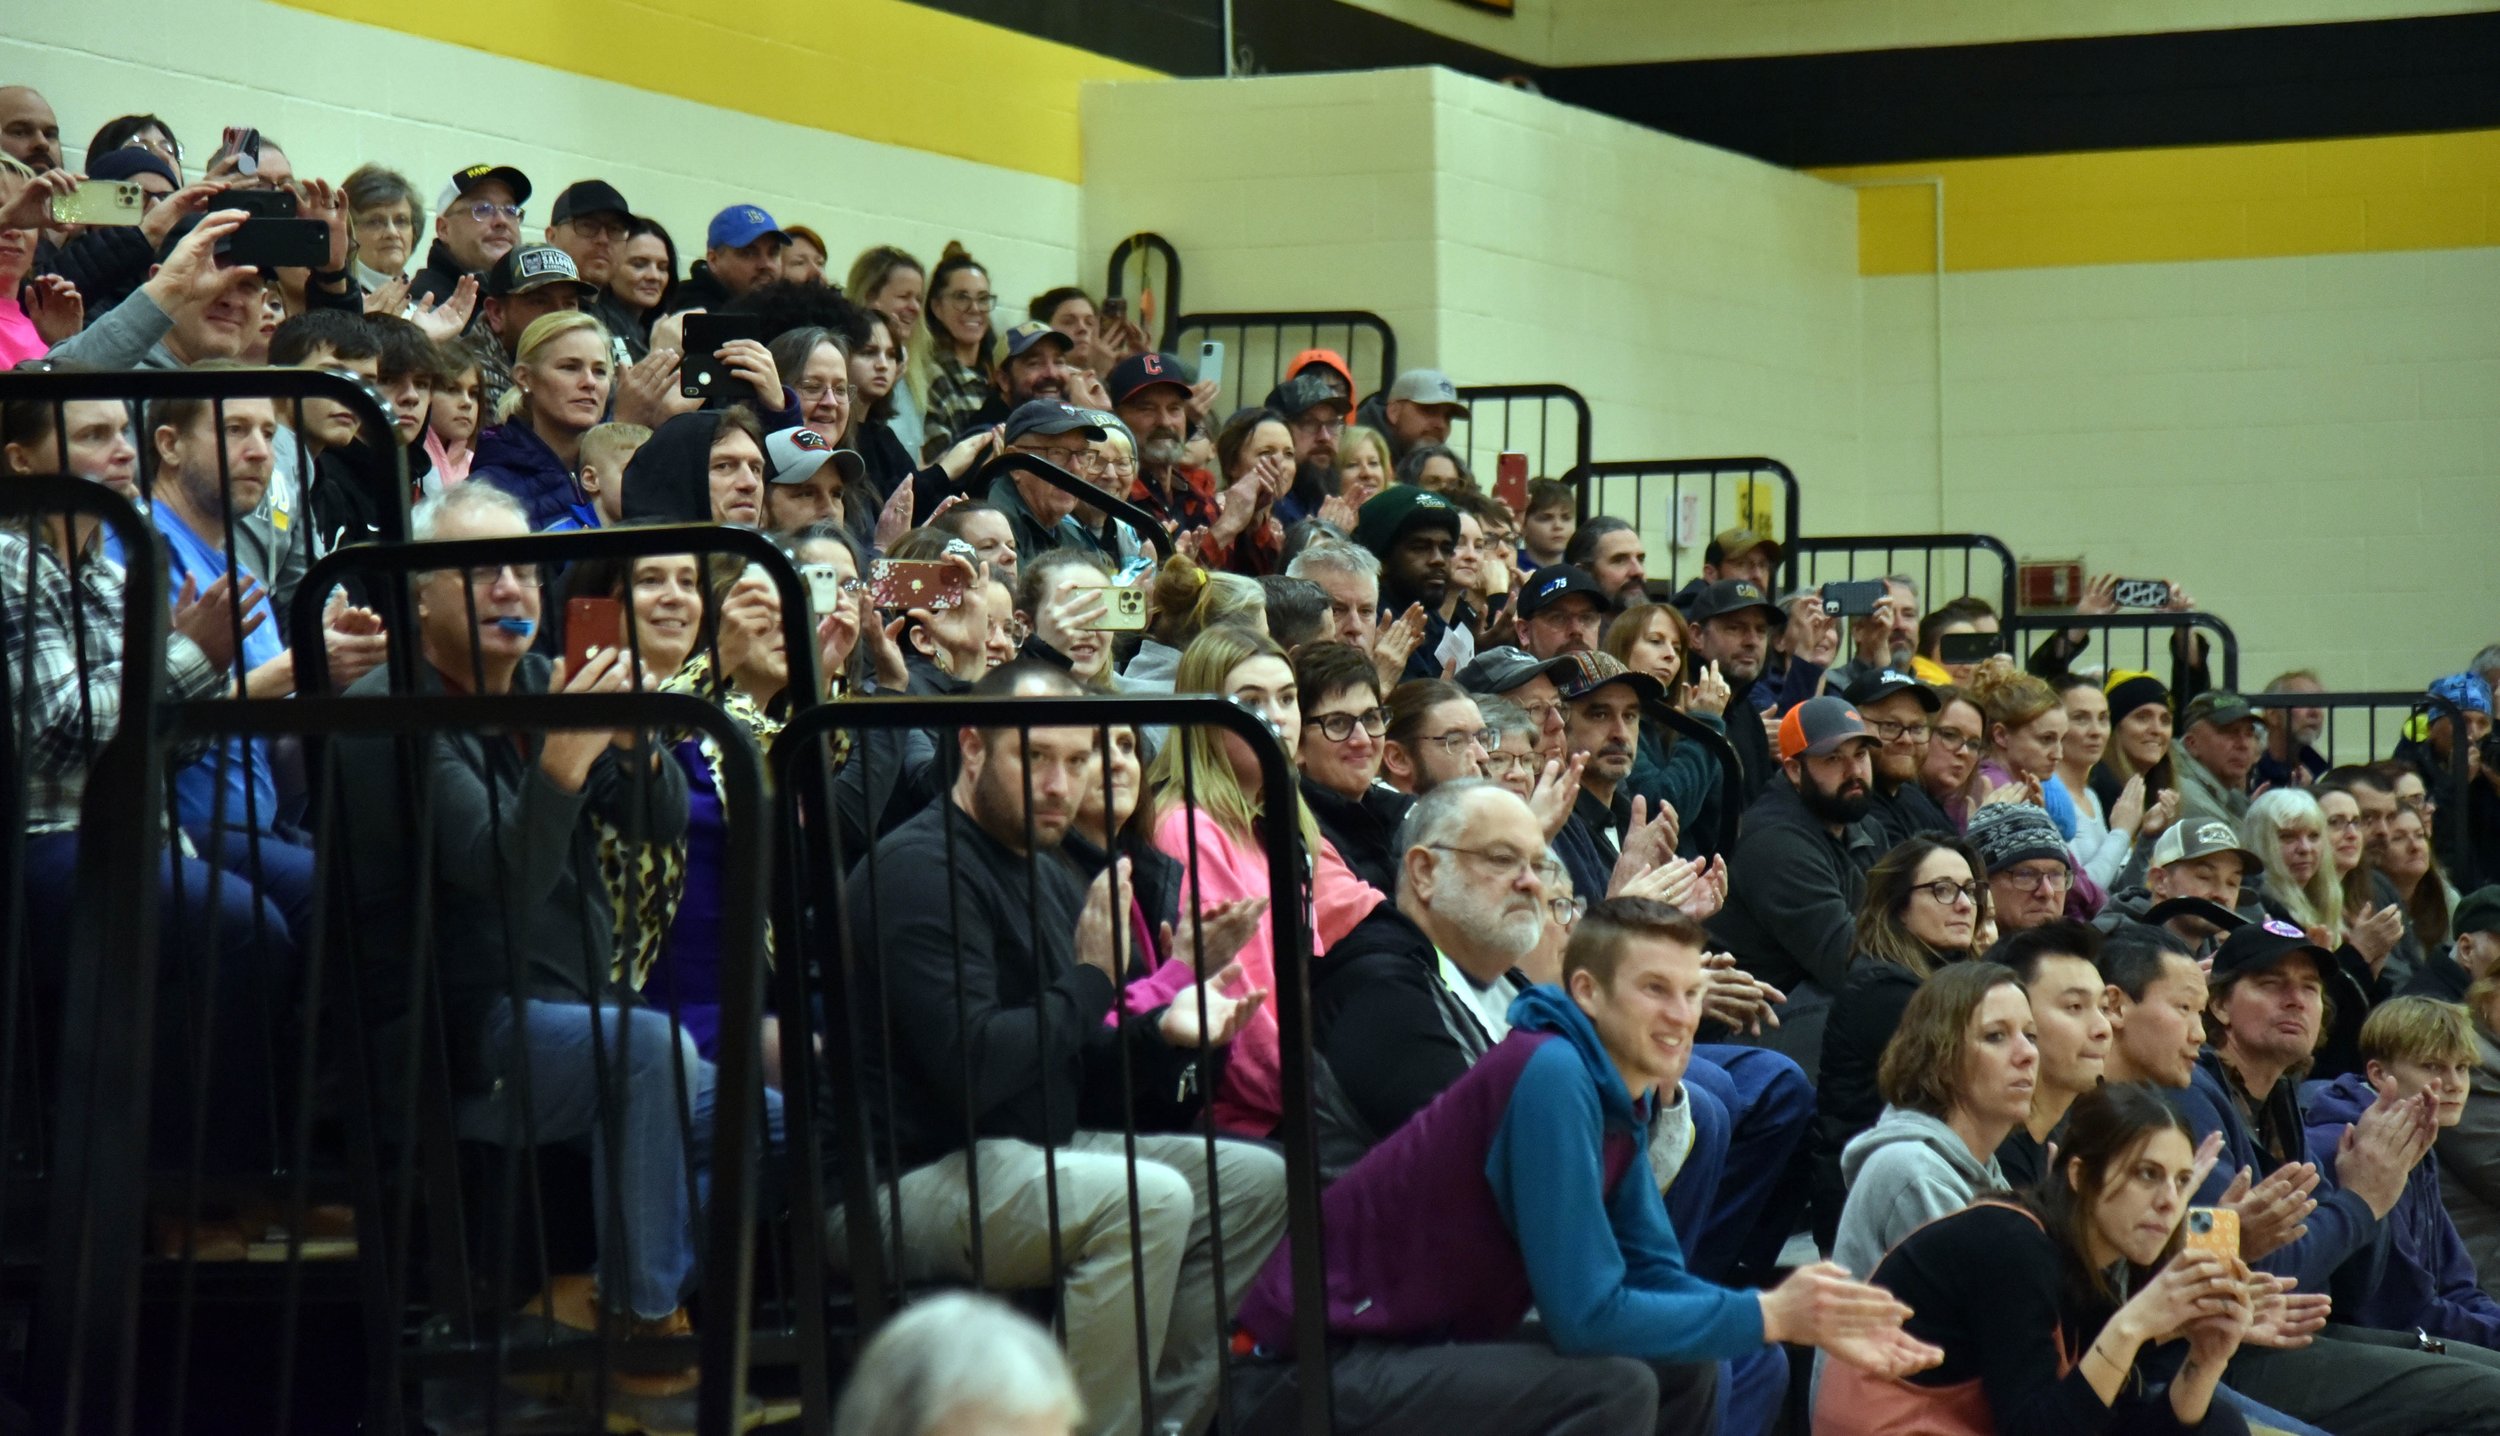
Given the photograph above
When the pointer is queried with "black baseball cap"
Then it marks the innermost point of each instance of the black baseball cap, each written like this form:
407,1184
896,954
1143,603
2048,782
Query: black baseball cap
1499,670
1398,510
471,176
2479,911
1883,683
1732,595
2221,918
1024,336
1139,372
2261,945
1049,417
1555,582
583,197
525,267
1298,396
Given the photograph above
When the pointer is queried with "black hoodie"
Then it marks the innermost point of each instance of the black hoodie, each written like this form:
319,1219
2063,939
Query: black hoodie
670,477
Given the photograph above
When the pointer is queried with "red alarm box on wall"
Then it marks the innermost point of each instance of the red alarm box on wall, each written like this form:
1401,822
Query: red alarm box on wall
2051,583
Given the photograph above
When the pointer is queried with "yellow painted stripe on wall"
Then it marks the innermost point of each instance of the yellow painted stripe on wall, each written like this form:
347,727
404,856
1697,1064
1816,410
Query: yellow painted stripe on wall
2217,202
883,70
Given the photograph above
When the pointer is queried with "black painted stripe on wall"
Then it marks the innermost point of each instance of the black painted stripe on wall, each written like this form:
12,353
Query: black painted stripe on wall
2120,92
1956,102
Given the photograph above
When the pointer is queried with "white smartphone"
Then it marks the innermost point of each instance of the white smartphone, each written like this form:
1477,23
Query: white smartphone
1211,362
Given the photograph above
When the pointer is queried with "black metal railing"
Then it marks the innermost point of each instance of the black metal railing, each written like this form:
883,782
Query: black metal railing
2044,641
834,895
1142,252
1944,567
1665,498
2385,721
1259,347
1116,506
1547,422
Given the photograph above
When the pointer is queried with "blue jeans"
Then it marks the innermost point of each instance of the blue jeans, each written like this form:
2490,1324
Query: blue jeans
1736,1199
654,1249
231,947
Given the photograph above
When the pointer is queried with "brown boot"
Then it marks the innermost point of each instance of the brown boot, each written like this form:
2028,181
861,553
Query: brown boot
659,1383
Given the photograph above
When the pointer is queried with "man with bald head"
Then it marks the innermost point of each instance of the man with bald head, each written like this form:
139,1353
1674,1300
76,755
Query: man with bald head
29,132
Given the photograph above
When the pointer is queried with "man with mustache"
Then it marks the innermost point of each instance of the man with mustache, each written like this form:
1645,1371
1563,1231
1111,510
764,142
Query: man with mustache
1034,366
1799,870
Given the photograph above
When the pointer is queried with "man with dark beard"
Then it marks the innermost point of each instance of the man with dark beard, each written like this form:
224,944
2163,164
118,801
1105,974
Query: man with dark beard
1900,711
1150,392
1415,534
1732,621
1315,412
1799,869
1034,367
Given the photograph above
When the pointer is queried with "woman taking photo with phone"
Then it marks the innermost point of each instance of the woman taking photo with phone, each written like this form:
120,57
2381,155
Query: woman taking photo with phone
1062,598
2071,1309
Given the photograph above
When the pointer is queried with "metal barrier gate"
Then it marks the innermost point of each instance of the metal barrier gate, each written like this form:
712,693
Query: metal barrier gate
2041,643
1547,422
1673,499
1259,347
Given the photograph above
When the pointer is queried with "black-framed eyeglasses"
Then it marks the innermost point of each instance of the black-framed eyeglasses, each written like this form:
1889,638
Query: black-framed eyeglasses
1889,731
2055,876
1499,764
1338,727
1953,740
1944,891
486,575
1451,743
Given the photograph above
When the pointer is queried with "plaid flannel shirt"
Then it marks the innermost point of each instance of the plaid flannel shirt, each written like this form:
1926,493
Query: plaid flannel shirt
64,651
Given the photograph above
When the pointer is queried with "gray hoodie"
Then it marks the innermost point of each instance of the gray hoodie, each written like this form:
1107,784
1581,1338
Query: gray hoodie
1907,1169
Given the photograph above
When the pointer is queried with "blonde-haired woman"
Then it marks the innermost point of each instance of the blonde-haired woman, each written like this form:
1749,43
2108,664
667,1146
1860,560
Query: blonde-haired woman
1363,463
1185,601
1210,816
560,380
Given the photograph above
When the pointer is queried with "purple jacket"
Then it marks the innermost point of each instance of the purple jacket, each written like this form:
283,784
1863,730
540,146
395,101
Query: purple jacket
1523,1184
2427,1281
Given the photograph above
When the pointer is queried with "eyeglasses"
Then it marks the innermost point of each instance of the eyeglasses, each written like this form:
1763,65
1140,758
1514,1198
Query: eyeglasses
1504,866
1567,911
814,389
1953,740
1889,731
2342,824
1451,743
1499,764
2419,803
2053,876
485,213
1944,891
1075,461
1016,631
386,219
1542,711
1337,727
597,228
982,303
487,575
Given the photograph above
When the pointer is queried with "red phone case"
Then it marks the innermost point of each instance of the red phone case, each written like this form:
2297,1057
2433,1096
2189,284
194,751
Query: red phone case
590,623
1510,482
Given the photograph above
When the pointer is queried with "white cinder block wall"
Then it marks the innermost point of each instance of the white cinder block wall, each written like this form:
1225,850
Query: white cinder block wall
2311,444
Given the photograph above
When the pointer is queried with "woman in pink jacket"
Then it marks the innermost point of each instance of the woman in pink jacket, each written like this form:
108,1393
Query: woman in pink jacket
1209,816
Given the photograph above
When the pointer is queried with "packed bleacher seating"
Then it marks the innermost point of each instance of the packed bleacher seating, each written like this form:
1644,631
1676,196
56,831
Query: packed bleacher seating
664,809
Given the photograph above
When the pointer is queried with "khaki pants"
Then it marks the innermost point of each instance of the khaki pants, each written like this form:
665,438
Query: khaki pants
1185,1332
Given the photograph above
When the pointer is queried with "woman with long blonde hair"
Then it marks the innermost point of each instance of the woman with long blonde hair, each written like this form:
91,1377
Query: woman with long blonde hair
1211,817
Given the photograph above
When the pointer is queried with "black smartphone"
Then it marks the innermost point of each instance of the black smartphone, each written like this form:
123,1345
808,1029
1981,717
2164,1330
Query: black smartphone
1855,598
259,203
1115,307
701,375
266,244
1965,648
2142,593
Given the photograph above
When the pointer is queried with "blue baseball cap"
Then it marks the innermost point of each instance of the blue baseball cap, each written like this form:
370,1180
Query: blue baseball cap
739,226
2466,690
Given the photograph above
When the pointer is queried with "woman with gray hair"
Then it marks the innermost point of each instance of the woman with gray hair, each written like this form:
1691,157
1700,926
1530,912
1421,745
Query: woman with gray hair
384,217
959,1365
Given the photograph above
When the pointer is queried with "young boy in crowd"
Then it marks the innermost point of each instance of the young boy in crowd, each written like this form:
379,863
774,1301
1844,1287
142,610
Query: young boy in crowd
606,450
1553,516
2428,1284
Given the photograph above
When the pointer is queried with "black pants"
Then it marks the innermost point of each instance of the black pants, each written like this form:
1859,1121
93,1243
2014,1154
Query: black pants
2360,1381
1487,1389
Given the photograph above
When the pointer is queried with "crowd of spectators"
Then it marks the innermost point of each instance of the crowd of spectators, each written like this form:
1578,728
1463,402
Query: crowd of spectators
2007,965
